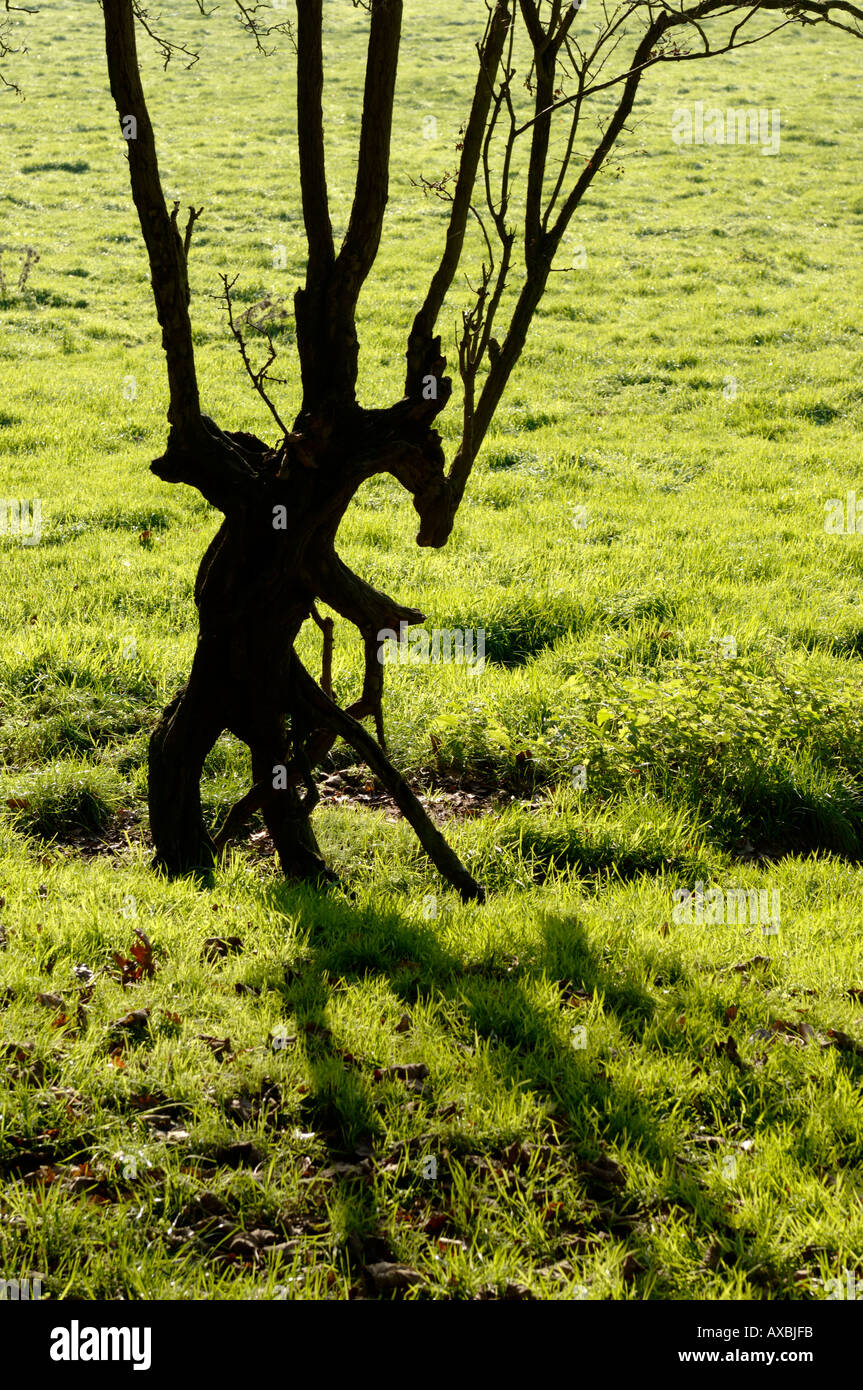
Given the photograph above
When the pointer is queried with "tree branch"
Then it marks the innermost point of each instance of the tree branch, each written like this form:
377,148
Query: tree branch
309,302
161,235
421,344
362,239
257,378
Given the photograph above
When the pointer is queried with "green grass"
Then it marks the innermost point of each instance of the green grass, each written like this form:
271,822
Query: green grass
607,649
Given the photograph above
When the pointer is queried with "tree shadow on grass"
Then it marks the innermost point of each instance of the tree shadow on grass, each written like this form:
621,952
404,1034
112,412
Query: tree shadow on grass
505,1018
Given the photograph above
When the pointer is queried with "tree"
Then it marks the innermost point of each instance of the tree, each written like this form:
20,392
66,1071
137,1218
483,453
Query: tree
519,181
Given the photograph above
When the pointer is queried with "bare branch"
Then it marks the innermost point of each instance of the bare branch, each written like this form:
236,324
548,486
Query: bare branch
490,52
166,46
7,48
309,302
362,238
259,28
194,214
161,235
257,378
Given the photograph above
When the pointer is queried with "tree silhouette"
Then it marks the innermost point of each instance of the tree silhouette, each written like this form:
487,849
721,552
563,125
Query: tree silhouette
520,178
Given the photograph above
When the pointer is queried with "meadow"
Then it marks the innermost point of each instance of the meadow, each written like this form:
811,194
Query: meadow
567,1092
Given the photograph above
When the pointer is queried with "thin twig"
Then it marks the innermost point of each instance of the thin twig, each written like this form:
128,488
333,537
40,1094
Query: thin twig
257,378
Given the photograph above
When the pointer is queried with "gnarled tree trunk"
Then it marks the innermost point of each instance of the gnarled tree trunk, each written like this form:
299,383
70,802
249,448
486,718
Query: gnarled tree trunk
274,555
272,558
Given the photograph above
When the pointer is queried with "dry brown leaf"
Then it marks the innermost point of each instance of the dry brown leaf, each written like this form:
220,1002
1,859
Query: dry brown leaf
408,1071
389,1278
216,947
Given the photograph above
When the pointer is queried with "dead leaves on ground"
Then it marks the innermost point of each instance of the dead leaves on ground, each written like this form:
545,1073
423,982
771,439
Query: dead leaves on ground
603,1170
218,947
70,1017
408,1071
140,963
130,1027
795,1032
388,1277
728,1048
836,1038
221,1048
207,1223
744,967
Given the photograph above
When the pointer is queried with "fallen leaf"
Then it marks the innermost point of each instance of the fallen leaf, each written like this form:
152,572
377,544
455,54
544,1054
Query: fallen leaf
142,952
51,1001
262,1236
242,1244
216,947
844,1042
389,1278
447,1112
136,1018
283,1252
745,965
130,970
604,1170
346,1170
518,1155
436,1222
409,1071
220,1047
631,1268
713,1255
729,1049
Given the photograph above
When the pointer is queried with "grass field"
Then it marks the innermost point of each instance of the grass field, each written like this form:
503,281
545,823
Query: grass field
601,1100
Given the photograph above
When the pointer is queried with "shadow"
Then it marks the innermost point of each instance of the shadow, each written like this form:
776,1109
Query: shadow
494,1010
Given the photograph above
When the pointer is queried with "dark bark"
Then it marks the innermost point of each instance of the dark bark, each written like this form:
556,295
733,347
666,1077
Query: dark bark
164,243
274,555
256,586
